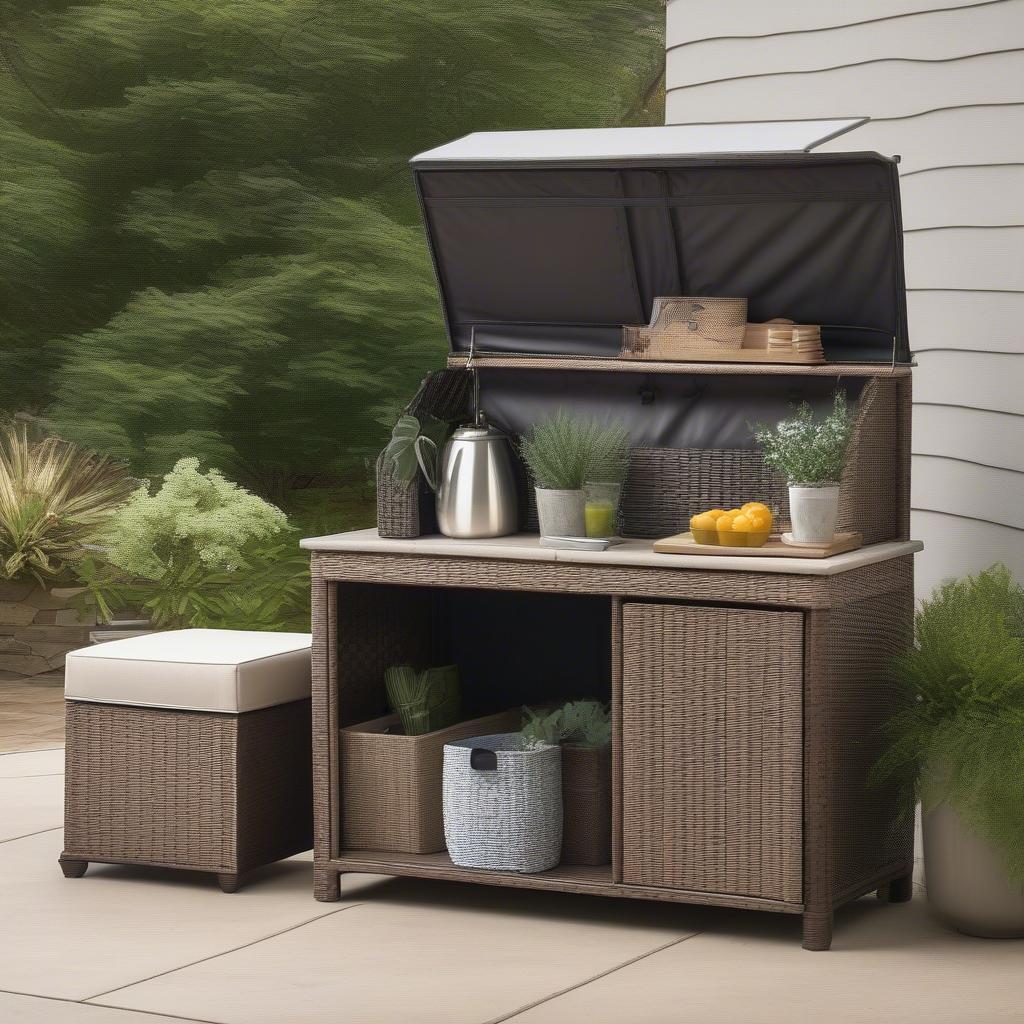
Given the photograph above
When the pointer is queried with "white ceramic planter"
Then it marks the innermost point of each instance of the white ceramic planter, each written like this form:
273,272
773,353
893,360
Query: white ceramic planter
813,511
968,888
560,513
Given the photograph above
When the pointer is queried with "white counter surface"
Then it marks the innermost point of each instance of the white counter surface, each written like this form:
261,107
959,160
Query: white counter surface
525,547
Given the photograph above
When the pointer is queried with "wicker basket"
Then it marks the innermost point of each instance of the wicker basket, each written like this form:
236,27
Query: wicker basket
587,804
404,512
503,803
391,783
682,325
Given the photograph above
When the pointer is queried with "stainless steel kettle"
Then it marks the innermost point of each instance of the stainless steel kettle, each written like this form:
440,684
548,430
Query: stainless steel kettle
475,484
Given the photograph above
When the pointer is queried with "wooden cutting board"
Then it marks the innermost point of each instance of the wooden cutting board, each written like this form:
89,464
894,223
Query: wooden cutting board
774,547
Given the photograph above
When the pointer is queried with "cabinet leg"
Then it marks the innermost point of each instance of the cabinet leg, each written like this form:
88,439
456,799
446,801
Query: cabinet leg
899,890
818,930
228,881
73,868
326,884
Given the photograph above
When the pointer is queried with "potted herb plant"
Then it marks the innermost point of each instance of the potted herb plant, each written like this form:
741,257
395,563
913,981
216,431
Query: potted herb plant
562,452
959,748
584,730
810,453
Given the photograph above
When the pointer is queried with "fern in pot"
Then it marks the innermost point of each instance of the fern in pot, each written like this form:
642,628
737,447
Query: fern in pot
958,747
562,452
810,453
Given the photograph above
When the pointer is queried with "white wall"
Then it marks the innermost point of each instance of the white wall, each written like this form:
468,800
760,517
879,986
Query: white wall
944,85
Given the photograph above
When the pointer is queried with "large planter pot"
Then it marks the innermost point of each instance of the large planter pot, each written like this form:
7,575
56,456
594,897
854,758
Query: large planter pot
561,513
968,888
813,512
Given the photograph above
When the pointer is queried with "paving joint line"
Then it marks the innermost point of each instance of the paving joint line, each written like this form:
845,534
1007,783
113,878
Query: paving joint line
213,956
591,980
123,1009
28,835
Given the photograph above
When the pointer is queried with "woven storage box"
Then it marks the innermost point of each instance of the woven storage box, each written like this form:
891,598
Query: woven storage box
683,325
503,804
391,783
587,804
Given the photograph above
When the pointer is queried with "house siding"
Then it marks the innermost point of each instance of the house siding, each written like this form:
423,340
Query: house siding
944,86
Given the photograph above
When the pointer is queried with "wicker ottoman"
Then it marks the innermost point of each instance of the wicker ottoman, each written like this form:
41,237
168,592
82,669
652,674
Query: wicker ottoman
188,749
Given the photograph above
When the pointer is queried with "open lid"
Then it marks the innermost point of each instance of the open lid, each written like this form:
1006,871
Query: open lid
548,242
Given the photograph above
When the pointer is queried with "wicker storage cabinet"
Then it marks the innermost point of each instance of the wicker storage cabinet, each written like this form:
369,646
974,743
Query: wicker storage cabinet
712,763
391,784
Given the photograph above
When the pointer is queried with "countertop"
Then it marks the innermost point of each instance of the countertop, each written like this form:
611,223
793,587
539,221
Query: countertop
525,547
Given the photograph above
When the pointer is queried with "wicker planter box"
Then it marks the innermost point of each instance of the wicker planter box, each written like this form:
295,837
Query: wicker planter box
391,783
587,804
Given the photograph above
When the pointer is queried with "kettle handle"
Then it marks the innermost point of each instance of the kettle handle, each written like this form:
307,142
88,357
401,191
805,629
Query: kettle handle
428,466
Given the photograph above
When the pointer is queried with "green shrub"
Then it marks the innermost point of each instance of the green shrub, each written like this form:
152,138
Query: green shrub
201,551
961,737
54,499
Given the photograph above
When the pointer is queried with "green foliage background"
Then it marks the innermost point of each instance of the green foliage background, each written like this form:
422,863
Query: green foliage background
209,242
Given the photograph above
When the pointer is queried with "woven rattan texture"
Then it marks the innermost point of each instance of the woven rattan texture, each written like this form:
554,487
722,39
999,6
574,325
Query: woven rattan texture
391,783
406,512
587,805
861,639
187,789
712,749
666,486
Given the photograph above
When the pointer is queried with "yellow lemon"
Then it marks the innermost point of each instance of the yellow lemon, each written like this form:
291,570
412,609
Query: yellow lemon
715,513
704,521
756,505
744,524
724,521
763,519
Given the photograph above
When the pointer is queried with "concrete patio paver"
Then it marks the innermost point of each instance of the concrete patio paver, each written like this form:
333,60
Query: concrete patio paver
416,953
30,804
35,762
75,938
891,964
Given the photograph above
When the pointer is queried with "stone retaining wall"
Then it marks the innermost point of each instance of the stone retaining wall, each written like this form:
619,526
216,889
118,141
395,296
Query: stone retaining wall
38,627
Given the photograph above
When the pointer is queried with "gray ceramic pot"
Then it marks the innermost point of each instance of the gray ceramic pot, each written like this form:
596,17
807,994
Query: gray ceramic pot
966,880
561,513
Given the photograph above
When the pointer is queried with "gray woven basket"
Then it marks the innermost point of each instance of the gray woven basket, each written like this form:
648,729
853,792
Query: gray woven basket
503,803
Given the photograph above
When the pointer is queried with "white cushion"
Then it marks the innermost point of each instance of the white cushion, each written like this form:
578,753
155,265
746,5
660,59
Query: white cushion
194,669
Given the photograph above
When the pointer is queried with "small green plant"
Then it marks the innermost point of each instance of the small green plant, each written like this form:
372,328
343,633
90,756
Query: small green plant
563,452
54,499
961,737
200,551
400,453
584,723
805,450
424,701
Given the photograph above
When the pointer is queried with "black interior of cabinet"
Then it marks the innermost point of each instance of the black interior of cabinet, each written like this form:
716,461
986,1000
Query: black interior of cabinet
512,648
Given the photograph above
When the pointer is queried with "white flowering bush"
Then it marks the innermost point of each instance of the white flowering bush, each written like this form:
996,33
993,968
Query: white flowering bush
200,551
805,450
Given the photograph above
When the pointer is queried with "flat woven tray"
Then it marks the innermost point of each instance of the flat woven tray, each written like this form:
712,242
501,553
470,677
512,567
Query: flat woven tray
774,547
